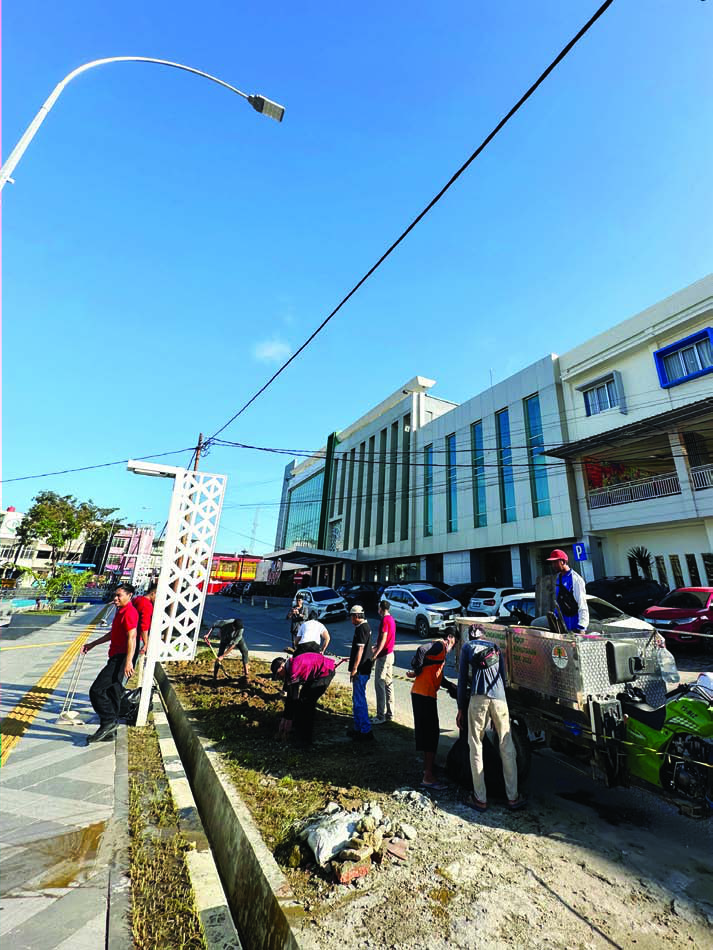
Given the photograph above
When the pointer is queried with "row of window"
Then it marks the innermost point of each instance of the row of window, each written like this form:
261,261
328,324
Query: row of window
539,488
677,363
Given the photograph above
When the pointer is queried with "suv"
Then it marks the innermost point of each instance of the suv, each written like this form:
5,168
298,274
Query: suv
486,601
682,614
327,602
422,606
630,594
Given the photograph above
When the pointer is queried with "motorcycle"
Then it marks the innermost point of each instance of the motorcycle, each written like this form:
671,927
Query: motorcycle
670,747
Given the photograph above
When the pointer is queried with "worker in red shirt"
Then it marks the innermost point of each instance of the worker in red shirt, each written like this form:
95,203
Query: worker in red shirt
107,689
144,607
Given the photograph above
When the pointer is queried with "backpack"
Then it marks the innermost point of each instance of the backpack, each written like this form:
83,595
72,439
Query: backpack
487,657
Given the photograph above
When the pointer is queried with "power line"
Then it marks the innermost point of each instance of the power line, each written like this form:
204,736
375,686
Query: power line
87,468
451,181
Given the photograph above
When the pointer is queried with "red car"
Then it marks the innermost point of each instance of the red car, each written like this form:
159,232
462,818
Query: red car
683,613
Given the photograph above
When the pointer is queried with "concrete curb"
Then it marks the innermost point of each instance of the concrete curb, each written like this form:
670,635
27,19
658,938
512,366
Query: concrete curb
261,900
118,917
211,903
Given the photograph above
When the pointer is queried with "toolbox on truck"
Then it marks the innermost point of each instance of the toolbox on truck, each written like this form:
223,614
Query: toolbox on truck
572,670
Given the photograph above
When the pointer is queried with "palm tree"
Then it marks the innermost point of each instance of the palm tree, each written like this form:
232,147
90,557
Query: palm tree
641,556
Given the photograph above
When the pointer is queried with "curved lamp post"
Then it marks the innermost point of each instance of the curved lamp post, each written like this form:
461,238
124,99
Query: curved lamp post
266,106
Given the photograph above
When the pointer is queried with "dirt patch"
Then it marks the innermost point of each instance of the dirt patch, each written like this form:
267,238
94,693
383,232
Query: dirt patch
162,905
495,880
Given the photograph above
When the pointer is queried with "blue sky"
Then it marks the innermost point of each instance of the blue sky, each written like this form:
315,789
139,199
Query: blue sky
164,244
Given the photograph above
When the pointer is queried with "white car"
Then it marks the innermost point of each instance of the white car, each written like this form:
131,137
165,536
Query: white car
602,615
487,600
326,601
422,606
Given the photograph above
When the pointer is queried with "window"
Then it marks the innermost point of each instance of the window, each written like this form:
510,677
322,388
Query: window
382,488
676,570
369,492
601,397
451,485
43,554
393,471
693,572
505,470
708,567
480,515
538,463
661,569
428,491
7,550
686,359
405,476
361,461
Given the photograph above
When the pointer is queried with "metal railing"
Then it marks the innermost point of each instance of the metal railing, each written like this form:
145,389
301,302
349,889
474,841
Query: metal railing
702,477
644,489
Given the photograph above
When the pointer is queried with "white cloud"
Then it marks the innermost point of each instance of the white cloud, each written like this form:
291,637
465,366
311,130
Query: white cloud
272,351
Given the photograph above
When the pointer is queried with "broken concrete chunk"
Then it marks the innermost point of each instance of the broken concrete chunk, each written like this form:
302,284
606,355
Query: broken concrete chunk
331,808
407,831
398,849
375,811
368,823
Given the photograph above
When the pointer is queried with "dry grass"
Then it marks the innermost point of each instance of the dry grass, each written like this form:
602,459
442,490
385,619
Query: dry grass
278,782
163,911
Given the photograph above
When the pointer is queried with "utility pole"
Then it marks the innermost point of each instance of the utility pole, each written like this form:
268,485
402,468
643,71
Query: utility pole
199,447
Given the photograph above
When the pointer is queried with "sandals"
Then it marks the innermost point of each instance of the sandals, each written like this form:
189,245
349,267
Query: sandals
517,804
434,786
476,803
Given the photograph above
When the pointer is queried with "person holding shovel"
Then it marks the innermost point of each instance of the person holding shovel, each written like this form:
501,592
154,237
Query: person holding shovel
232,638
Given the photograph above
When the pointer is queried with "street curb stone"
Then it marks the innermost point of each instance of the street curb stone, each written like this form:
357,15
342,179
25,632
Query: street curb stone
211,903
116,838
262,903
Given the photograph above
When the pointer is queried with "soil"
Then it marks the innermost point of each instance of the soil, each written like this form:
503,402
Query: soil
537,878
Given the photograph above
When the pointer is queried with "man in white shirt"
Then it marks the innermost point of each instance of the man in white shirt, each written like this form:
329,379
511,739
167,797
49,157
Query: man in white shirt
312,636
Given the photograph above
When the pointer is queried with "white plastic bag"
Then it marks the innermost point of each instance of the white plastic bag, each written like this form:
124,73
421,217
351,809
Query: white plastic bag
667,664
331,834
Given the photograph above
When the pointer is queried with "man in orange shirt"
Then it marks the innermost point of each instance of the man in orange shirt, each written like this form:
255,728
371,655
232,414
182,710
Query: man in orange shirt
427,673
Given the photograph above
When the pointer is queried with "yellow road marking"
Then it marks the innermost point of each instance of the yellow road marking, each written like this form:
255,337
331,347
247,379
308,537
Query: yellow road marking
36,646
15,725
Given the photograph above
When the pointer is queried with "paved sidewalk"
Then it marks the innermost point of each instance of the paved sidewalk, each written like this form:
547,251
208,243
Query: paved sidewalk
62,834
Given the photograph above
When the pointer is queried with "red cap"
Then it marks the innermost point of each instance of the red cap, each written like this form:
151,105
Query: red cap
558,555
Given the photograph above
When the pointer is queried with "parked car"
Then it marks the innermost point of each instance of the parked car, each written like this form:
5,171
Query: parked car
366,593
486,600
422,606
603,616
326,601
631,594
463,592
683,613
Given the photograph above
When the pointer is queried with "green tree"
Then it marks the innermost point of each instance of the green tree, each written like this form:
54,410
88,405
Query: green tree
59,519
78,581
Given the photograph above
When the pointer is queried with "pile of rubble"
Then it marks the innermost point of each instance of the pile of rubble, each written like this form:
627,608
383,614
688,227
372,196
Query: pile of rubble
351,842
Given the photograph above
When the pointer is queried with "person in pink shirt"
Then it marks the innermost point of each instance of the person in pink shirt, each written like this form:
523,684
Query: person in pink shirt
383,654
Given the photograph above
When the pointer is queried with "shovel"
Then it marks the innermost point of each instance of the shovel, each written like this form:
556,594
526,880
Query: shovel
212,650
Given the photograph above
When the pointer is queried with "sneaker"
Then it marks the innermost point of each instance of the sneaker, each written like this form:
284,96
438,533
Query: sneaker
378,720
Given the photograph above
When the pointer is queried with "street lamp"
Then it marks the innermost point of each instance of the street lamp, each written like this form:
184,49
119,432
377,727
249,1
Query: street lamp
265,106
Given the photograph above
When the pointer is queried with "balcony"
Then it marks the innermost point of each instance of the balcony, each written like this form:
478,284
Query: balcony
702,477
643,489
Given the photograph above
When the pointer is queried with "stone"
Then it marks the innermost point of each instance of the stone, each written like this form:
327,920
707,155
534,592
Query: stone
375,811
348,871
362,853
330,808
407,831
374,839
368,823
398,849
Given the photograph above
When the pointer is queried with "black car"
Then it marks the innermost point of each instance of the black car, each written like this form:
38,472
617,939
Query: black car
632,595
365,593
462,592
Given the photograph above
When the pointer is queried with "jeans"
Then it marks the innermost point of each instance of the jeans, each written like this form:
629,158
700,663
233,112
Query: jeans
479,708
384,686
359,707
107,689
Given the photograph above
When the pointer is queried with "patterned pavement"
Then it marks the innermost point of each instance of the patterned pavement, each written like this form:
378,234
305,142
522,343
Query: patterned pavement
57,825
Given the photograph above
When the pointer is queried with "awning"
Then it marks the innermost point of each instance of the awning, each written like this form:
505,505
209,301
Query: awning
652,425
309,557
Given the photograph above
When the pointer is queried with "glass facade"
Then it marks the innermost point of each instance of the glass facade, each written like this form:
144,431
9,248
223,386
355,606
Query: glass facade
506,476
480,511
539,488
451,485
405,476
305,502
428,491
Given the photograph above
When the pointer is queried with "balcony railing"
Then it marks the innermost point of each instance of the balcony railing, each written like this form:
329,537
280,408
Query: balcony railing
702,477
644,489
